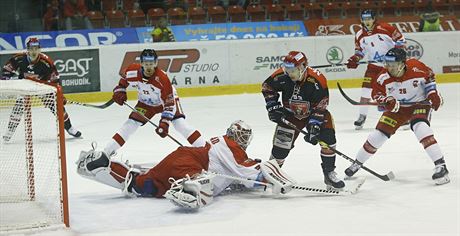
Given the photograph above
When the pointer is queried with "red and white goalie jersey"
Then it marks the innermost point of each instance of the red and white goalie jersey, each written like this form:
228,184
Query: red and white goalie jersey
154,91
413,86
373,45
228,158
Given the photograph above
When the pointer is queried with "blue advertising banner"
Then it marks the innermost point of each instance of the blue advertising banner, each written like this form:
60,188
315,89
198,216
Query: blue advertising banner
225,31
49,39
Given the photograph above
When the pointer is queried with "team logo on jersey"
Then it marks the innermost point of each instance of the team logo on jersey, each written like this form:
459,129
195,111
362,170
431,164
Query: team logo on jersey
414,49
334,55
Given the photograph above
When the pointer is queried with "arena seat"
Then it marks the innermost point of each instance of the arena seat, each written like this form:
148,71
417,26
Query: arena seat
97,19
217,14
275,12
154,14
196,15
177,16
236,14
115,18
136,18
256,13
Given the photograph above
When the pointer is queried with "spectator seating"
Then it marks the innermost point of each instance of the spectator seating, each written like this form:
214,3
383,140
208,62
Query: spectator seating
275,12
333,10
108,5
236,14
217,14
295,11
177,16
196,15
353,9
154,14
314,10
136,18
387,8
443,7
115,18
97,19
256,13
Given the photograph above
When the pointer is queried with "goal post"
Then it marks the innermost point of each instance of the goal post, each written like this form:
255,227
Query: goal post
33,178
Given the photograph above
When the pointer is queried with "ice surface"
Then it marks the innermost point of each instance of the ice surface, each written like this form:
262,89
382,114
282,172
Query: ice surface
409,205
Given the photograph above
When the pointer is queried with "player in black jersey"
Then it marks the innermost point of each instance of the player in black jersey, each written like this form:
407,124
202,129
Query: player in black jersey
34,65
304,100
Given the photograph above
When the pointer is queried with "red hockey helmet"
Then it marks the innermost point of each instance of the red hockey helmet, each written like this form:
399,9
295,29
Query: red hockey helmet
295,64
33,42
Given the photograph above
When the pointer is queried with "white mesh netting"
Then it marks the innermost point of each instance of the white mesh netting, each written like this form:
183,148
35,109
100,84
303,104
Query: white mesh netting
30,169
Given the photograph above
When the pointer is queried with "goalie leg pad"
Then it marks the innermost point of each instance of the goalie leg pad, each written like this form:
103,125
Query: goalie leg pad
281,182
191,193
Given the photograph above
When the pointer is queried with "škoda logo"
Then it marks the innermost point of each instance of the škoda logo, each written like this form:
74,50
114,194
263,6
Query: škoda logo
168,60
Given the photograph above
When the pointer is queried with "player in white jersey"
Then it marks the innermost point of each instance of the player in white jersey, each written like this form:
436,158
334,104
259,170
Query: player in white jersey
155,95
186,176
372,42
404,81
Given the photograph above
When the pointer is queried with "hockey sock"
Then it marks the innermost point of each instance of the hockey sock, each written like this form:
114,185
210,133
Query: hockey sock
425,136
375,140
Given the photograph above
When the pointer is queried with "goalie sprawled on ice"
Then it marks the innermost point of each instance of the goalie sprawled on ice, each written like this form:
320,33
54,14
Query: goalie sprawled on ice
190,176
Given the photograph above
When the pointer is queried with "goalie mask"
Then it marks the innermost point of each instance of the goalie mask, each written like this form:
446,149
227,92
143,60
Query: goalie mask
395,62
295,65
241,133
149,61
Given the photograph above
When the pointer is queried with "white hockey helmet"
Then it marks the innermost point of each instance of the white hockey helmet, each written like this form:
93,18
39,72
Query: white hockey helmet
241,133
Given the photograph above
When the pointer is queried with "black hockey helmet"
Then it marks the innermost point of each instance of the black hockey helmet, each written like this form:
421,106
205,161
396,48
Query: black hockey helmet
395,61
367,14
396,55
148,55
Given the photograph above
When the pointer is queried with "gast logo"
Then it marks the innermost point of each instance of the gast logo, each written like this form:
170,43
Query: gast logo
414,49
168,60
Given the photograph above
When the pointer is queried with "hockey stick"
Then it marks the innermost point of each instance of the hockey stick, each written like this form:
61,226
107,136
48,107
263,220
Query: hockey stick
356,103
105,105
296,187
341,64
386,177
148,120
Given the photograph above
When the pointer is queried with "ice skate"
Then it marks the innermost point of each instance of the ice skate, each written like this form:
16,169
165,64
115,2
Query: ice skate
332,182
360,122
440,175
350,171
74,132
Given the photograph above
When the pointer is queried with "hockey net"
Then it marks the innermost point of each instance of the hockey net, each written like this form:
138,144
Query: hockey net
33,182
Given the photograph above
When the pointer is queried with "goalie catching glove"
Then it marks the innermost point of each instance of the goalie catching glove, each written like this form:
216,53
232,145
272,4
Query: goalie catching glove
281,183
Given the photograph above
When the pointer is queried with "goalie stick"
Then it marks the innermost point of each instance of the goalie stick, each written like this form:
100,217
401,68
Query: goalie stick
356,103
297,187
105,105
386,177
148,120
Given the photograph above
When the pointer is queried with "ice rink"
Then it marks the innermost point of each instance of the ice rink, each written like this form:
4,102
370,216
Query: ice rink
410,204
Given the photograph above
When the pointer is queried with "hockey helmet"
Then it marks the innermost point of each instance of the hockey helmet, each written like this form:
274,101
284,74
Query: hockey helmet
394,61
33,48
241,133
295,65
33,42
149,61
368,19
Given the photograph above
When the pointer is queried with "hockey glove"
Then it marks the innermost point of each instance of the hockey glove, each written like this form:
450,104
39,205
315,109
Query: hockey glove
353,62
390,103
276,111
163,127
435,99
313,132
119,95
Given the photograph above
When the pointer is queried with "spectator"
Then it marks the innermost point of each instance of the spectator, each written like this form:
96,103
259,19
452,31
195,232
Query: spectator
52,15
75,14
93,5
161,32
430,20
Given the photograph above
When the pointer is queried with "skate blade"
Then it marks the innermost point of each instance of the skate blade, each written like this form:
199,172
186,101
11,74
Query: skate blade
442,180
